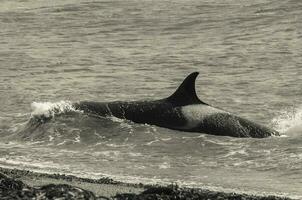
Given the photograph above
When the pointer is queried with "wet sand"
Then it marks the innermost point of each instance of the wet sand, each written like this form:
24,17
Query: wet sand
23,184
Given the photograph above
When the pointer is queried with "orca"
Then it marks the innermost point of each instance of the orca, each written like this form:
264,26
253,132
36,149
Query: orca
183,111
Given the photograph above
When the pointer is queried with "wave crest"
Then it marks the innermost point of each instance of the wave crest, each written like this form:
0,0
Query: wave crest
48,110
289,120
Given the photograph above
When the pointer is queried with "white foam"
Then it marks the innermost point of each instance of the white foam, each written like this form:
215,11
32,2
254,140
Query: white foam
48,109
51,138
236,152
115,119
164,165
27,162
151,142
77,139
289,120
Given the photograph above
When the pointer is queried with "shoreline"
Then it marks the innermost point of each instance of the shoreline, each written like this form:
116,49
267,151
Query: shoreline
35,184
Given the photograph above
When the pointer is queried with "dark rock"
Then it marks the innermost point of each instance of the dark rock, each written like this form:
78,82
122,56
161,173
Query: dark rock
15,189
126,196
64,191
7,183
160,190
11,188
173,192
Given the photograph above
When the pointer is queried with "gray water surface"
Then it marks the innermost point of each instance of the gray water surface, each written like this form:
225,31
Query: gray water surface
248,53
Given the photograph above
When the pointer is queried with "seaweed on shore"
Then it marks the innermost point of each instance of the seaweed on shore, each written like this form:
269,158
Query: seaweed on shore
11,188
16,189
173,192
16,173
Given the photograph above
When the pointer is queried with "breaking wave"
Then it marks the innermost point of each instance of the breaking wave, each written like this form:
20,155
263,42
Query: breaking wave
289,121
44,111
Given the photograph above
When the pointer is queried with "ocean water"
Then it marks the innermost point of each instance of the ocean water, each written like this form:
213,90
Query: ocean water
248,53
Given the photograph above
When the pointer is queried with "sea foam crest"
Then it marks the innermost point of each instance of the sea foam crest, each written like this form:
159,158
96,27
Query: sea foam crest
48,110
289,120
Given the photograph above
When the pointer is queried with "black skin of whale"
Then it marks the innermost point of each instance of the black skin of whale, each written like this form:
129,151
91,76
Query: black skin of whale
168,113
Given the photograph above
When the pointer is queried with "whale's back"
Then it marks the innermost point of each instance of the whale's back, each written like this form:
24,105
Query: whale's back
226,124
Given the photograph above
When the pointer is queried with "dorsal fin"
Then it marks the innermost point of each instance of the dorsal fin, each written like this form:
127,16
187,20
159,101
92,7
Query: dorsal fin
186,94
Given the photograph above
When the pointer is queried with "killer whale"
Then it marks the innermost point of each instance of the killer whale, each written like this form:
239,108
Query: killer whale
183,111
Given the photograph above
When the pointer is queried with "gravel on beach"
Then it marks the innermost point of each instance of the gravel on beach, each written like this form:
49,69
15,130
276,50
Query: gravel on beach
23,184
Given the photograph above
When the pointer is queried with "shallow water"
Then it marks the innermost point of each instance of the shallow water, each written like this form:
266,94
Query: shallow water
249,57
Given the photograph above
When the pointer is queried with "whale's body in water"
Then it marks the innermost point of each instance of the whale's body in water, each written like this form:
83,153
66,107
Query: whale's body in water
183,111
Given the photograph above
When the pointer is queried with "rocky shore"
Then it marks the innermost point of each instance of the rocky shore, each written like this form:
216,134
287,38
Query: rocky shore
20,184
